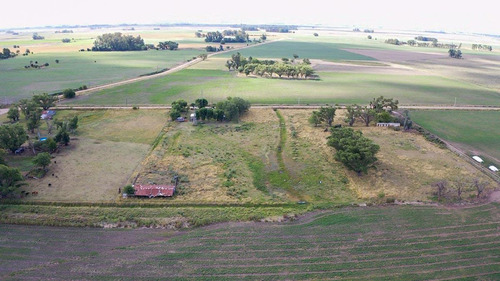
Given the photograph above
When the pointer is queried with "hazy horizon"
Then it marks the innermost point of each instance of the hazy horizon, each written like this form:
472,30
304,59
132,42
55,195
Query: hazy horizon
385,14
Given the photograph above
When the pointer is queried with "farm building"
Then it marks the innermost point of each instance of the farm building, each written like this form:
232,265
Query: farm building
388,124
48,114
493,168
154,190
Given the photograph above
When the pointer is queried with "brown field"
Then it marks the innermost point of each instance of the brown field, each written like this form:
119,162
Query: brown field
397,56
376,68
88,171
408,164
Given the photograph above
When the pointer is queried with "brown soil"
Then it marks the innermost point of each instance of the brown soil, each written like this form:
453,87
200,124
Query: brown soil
397,56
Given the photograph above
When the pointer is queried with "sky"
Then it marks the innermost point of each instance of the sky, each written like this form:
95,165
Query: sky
436,15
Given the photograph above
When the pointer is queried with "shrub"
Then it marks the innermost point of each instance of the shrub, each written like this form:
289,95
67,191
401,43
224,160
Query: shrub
129,189
69,93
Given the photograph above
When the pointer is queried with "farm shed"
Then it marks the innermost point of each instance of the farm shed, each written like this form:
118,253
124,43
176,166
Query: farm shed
48,114
154,190
493,168
388,124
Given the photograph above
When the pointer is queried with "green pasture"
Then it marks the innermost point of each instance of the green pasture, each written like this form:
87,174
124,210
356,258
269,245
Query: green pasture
472,130
380,243
80,68
332,88
311,50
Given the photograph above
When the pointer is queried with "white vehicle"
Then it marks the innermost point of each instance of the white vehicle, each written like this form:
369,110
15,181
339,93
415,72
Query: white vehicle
493,168
478,159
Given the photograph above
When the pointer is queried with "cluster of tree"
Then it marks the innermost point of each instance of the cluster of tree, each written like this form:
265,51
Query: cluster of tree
168,45
415,43
269,67
227,36
198,34
365,30
212,49
444,190
379,110
66,40
228,110
354,150
423,38
37,37
6,54
324,115
36,65
118,42
10,178
64,31
454,53
482,47
279,28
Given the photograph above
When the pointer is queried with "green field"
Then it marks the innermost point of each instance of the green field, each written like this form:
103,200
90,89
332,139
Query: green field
342,88
80,68
379,243
476,131
311,50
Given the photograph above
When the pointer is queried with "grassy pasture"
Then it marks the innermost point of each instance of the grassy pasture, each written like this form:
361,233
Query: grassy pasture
342,88
474,131
311,50
381,243
80,68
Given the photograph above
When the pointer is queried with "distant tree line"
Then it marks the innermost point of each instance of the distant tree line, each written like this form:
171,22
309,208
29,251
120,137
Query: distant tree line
414,43
423,38
119,42
227,36
64,31
66,40
268,28
269,67
482,47
37,37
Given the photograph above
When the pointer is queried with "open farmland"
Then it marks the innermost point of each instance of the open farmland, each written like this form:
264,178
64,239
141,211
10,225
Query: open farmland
379,243
81,68
333,87
476,132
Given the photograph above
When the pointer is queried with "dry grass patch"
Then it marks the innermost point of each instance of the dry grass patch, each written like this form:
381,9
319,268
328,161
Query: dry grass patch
88,171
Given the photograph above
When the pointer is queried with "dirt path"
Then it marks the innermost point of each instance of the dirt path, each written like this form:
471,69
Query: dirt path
170,71
3,110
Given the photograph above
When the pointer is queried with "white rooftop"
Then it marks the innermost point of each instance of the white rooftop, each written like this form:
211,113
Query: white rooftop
478,159
493,168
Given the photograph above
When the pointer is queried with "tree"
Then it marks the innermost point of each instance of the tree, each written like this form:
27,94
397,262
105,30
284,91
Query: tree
42,160
351,114
34,120
168,45
45,101
479,186
13,114
316,34
174,114
180,105
356,152
232,108
69,93
10,181
73,124
62,136
380,104
457,54
327,114
384,117
200,103
12,136
26,106
441,188
315,119
407,123
366,114
263,37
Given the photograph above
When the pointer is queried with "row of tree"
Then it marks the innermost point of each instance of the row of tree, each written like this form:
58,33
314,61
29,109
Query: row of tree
269,68
482,47
415,43
227,36
228,110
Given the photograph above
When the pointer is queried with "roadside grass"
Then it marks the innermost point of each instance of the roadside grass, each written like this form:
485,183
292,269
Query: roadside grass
342,88
474,131
378,243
